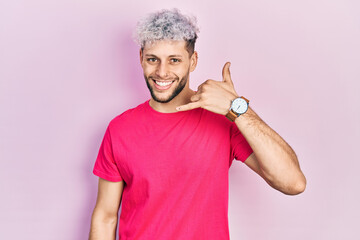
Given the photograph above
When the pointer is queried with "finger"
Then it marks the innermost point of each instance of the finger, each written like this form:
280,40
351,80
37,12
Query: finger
199,89
226,73
195,97
189,106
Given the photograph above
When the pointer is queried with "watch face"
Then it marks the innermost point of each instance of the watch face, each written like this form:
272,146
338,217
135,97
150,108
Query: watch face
239,105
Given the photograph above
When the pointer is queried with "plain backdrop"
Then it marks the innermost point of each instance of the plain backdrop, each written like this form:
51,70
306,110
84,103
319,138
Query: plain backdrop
68,67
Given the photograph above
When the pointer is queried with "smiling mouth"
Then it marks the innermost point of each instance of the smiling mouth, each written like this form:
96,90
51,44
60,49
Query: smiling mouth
163,85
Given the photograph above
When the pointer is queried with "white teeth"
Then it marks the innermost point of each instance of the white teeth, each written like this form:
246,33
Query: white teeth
163,84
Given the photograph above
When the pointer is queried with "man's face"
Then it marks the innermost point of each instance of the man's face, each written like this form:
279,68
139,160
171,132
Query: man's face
166,65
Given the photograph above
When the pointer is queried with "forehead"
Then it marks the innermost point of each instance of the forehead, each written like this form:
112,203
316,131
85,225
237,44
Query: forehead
166,48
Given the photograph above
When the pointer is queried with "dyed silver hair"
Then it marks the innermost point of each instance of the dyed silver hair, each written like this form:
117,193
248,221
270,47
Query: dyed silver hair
166,25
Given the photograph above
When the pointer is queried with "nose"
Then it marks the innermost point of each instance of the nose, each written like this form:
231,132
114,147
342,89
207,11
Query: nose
162,70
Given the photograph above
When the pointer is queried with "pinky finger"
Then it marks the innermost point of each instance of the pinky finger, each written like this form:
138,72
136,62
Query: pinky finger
189,106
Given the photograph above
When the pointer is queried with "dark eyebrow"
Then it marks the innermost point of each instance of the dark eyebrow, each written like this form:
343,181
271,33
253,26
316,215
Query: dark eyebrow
175,56
152,55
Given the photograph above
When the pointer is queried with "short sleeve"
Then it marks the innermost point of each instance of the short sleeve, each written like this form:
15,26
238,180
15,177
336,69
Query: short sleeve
240,148
105,165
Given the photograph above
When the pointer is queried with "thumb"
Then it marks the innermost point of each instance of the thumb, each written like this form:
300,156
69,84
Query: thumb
226,73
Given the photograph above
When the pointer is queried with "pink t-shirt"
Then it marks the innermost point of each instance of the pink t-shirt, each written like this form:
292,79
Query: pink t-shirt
175,167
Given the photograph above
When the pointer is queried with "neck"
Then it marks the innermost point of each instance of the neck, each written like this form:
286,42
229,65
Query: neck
181,99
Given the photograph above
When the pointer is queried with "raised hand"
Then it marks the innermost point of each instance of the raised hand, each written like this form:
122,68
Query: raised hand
214,96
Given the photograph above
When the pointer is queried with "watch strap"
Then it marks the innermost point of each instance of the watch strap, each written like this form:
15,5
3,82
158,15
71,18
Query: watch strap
231,115
245,99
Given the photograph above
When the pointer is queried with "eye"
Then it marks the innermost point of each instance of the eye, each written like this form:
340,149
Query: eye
175,60
151,59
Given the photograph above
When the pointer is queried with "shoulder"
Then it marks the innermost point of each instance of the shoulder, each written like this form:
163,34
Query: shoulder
215,120
127,117
221,123
216,117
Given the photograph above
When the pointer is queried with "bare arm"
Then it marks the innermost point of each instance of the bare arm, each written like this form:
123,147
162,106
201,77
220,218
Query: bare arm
104,218
273,159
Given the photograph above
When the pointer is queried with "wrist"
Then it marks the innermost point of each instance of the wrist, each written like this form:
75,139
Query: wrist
238,107
243,117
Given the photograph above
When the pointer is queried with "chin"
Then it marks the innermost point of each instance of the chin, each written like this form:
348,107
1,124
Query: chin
166,97
162,99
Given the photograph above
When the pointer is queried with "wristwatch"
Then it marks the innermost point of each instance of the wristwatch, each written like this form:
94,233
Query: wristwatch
238,106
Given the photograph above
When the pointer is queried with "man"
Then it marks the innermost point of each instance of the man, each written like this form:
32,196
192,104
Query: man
167,159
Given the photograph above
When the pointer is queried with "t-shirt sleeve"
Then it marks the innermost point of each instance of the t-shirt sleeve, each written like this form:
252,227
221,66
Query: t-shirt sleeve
105,165
240,148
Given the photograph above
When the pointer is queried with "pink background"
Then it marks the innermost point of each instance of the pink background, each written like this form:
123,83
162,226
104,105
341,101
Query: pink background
68,67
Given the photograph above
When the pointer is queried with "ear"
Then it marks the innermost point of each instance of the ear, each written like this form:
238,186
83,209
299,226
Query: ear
141,57
193,61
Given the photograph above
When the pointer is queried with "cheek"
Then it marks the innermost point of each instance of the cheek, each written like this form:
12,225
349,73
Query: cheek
148,70
181,71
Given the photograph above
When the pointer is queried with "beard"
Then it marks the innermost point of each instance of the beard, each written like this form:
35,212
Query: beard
174,93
